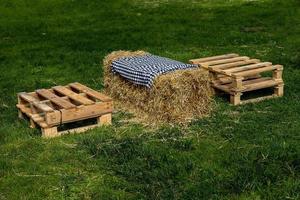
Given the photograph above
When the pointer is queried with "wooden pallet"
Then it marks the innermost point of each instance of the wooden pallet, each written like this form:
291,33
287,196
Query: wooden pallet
234,74
51,108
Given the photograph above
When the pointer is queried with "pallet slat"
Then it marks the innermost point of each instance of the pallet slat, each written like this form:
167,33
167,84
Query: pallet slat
235,64
196,61
90,92
224,61
35,102
72,95
255,71
86,112
254,84
260,85
55,99
247,67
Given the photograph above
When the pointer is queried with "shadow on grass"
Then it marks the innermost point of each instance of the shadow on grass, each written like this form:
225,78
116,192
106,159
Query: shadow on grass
171,164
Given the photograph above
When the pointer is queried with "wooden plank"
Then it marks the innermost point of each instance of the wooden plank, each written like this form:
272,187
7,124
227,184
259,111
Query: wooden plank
226,79
257,80
247,84
86,112
224,88
28,98
90,92
224,61
219,72
35,102
260,85
247,67
254,84
255,71
235,64
35,117
24,109
55,99
73,95
206,59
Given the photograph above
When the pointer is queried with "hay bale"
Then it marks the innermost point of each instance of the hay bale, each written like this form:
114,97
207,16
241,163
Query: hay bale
175,97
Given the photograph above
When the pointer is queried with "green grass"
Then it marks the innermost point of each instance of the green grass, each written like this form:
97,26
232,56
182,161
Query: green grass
244,152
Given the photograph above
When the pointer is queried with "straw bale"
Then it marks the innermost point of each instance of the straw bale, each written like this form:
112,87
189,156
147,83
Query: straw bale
175,97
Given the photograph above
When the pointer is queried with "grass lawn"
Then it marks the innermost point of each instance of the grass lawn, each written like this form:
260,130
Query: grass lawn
243,152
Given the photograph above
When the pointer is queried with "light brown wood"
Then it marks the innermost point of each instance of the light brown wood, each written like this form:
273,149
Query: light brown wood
196,61
255,71
248,67
235,75
260,85
278,90
34,102
222,88
224,61
50,132
235,99
53,118
105,119
220,72
236,64
238,83
227,80
72,95
277,74
255,80
213,77
55,99
86,112
50,108
90,92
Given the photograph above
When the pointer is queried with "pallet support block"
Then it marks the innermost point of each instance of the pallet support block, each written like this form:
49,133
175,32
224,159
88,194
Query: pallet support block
104,119
235,75
50,132
278,90
50,108
235,99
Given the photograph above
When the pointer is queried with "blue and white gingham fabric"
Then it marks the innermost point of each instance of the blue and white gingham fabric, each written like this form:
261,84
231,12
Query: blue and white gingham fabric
142,70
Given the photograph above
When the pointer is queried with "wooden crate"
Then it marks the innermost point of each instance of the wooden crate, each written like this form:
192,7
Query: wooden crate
51,108
234,74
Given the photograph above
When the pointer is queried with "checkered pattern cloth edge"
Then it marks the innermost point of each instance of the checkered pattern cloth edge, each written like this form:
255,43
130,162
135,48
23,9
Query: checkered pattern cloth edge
142,70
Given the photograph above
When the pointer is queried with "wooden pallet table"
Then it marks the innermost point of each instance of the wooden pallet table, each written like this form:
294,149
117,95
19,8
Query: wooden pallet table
235,75
51,108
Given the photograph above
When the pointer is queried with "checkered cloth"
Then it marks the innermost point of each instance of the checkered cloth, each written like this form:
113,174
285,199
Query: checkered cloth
142,70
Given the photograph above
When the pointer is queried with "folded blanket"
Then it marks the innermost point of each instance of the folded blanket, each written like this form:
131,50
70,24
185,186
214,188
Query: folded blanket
142,70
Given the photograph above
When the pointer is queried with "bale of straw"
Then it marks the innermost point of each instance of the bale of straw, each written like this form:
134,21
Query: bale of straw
175,97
